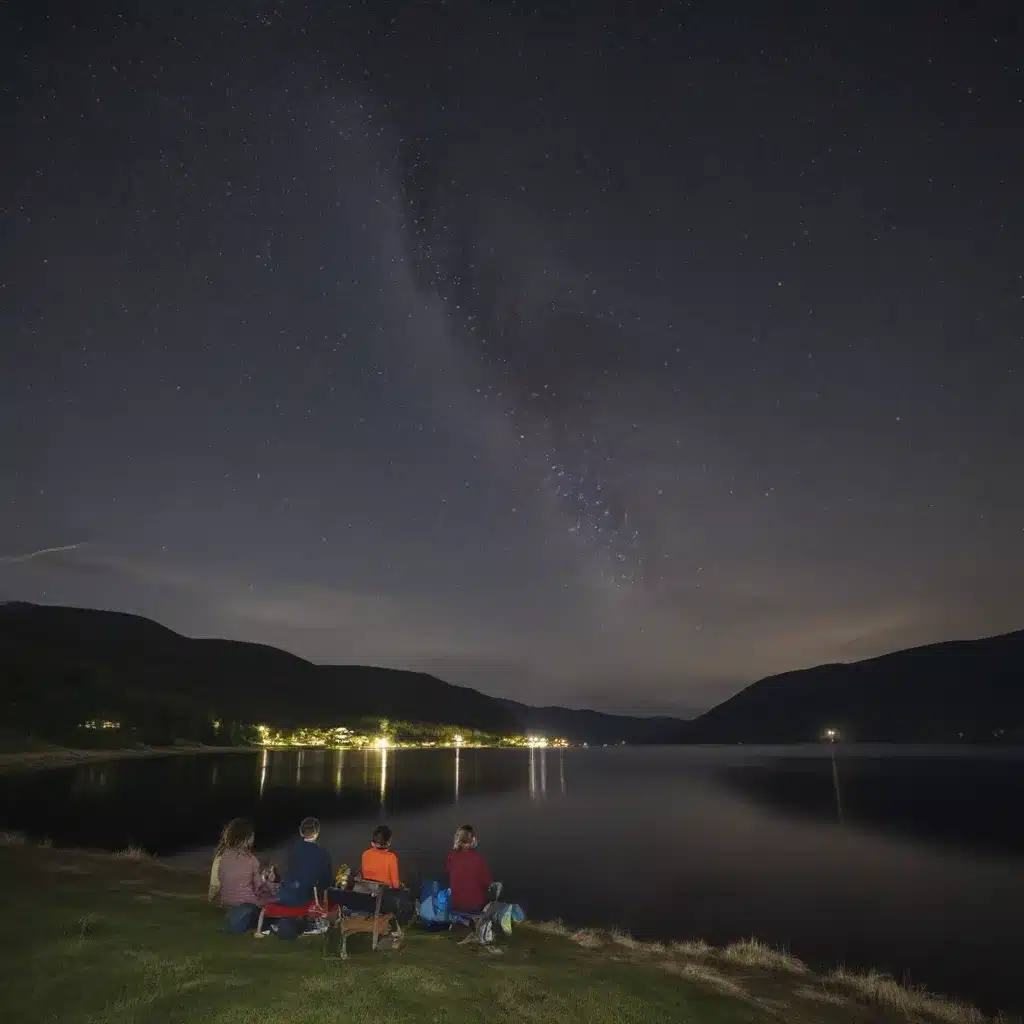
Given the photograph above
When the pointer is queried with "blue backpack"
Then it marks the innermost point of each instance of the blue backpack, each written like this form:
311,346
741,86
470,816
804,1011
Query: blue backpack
434,909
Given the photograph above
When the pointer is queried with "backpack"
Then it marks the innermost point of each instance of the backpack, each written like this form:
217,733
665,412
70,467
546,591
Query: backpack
434,901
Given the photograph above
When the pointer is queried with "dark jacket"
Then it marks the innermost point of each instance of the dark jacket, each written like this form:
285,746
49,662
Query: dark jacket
308,867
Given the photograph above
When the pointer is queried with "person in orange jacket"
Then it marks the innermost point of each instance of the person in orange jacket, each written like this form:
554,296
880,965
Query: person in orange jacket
380,864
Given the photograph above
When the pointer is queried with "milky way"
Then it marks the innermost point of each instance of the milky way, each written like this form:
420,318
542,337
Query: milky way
610,360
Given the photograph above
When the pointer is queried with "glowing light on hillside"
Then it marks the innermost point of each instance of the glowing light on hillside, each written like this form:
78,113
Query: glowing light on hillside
382,743
458,740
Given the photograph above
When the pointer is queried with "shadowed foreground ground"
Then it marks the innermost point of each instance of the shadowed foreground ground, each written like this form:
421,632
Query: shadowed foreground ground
106,938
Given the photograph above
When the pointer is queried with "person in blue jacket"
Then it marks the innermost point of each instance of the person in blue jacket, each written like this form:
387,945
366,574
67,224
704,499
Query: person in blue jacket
307,868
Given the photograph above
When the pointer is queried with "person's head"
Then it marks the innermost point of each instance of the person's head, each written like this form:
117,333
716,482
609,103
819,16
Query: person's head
309,829
465,838
381,837
237,835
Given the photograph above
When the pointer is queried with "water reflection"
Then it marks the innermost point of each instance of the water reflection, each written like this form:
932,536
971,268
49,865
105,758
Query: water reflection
91,780
383,775
959,802
835,786
458,752
264,761
538,772
339,771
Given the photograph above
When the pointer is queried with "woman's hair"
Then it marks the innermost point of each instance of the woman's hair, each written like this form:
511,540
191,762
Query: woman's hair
381,837
465,838
309,827
237,834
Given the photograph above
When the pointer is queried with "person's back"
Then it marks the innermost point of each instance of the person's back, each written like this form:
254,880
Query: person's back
240,881
308,867
379,863
469,877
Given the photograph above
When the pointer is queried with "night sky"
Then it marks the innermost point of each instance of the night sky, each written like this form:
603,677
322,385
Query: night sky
579,353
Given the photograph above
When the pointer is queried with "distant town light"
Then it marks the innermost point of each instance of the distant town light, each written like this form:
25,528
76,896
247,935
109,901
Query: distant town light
831,735
458,739
382,743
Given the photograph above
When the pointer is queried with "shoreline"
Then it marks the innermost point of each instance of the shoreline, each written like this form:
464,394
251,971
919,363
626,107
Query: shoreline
67,757
746,981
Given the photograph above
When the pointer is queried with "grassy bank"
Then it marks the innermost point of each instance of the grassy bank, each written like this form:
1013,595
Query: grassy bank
107,938
45,756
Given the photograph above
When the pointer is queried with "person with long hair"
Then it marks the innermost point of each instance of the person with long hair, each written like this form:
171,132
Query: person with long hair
236,879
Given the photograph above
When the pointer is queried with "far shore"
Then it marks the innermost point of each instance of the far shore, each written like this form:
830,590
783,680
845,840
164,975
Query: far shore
63,757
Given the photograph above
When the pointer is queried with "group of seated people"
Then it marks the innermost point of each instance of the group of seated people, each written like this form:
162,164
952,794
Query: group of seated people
243,887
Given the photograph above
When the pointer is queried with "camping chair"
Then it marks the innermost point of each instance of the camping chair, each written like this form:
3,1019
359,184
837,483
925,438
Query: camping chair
275,911
365,908
471,919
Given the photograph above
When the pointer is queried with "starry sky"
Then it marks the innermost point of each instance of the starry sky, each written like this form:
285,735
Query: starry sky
597,354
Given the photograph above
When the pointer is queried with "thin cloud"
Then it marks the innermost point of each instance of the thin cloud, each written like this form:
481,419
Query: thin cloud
30,556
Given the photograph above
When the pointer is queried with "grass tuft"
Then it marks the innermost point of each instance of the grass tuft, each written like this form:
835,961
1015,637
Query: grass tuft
556,927
883,991
625,940
132,853
82,927
818,994
693,949
704,974
754,953
588,938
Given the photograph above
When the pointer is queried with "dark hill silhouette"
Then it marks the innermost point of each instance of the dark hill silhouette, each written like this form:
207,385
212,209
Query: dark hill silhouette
963,689
593,726
63,666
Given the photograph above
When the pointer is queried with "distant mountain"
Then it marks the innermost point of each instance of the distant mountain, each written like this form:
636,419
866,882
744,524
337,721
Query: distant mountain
592,726
965,689
62,666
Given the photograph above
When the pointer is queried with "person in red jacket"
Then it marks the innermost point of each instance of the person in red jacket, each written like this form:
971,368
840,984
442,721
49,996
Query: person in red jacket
468,874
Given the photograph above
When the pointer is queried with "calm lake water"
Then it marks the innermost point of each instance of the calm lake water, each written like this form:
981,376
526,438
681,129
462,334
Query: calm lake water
910,861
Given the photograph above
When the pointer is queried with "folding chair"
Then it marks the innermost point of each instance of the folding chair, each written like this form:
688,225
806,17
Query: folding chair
472,918
363,909
275,911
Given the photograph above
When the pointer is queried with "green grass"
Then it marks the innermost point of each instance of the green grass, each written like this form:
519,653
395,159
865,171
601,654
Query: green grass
95,938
